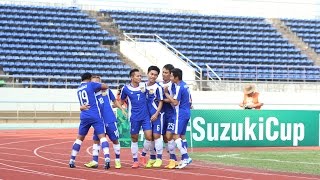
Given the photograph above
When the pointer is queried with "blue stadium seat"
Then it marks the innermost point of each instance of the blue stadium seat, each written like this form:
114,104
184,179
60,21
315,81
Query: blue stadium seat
48,40
219,39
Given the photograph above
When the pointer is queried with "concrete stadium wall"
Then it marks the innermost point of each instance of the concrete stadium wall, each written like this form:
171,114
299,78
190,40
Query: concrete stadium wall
29,99
145,54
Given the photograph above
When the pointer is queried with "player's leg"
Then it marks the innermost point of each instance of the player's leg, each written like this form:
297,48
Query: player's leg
164,130
99,129
95,153
184,141
152,151
185,144
181,130
113,133
171,146
134,131
157,131
147,129
83,130
172,151
166,133
144,151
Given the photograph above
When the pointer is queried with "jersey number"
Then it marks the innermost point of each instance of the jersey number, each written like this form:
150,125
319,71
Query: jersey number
101,100
171,126
138,96
83,96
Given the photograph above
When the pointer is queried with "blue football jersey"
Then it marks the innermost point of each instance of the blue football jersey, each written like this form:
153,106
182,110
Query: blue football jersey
87,95
182,94
107,113
137,101
167,108
154,96
100,100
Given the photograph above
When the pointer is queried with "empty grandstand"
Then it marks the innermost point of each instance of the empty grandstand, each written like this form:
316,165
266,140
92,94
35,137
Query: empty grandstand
55,42
50,46
237,48
308,30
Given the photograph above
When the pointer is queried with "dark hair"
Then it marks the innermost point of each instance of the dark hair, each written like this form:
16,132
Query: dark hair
96,76
168,67
133,71
120,88
154,68
176,72
86,76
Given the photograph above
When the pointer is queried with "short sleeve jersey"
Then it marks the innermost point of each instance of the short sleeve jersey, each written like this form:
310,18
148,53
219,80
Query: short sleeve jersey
154,96
87,95
182,94
137,101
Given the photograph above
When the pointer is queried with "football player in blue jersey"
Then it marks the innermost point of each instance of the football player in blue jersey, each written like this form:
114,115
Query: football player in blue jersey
154,104
168,110
182,103
138,115
92,117
105,98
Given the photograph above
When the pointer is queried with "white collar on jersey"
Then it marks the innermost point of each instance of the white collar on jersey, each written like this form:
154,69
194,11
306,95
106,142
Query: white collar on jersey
141,87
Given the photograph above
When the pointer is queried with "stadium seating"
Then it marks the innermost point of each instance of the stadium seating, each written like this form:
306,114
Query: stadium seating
308,30
236,47
55,41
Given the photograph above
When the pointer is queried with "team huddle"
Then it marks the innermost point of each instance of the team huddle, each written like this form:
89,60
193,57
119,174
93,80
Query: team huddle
162,110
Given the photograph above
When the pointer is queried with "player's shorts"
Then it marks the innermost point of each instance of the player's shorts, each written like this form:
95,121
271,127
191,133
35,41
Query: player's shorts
157,125
168,123
136,125
180,125
96,123
111,131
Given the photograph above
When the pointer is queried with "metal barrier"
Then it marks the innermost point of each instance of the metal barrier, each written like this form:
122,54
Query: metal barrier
55,111
66,82
230,85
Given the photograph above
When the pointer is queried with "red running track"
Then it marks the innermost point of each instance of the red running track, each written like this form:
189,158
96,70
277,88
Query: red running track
44,154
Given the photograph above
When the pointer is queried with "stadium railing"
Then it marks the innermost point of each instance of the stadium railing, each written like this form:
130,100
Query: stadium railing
38,81
11,81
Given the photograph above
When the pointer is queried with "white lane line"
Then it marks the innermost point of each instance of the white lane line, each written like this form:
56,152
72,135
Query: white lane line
39,172
107,172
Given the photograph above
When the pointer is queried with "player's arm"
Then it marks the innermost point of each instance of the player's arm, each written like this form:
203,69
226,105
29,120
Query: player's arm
155,115
172,100
118,105
116,102
104,86
84,107
123,96
160,97
165,99
99,86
